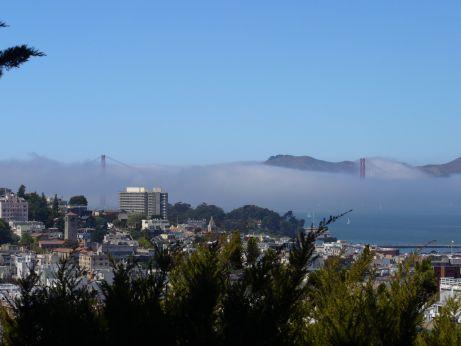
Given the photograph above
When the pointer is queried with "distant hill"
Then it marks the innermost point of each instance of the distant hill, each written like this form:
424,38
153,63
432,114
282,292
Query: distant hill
443,170
308,163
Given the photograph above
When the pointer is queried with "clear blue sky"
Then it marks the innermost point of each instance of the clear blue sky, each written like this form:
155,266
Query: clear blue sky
181,82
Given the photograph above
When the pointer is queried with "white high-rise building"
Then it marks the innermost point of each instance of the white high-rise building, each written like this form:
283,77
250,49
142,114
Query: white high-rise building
140,200
13,208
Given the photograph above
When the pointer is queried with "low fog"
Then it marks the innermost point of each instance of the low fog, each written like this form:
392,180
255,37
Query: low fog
390,186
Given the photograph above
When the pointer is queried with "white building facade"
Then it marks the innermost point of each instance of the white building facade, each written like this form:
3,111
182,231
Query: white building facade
13,208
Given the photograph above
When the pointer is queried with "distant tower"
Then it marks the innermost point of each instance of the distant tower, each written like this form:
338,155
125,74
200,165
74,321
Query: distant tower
211,225
70,227
362,168
103,185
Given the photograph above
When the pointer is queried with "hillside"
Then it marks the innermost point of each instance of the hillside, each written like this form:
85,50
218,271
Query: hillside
308,163
443,170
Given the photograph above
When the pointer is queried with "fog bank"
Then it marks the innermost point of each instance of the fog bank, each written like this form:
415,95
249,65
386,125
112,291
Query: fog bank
390,186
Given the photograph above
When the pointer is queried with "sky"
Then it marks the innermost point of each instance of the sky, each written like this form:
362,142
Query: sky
202,82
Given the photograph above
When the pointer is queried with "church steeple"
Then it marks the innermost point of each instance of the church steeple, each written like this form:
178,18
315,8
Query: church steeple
211,225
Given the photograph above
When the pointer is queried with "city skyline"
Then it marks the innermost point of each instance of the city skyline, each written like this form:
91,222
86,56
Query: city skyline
204,83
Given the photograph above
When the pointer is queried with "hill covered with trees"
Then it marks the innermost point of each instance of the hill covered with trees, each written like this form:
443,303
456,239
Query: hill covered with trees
246,218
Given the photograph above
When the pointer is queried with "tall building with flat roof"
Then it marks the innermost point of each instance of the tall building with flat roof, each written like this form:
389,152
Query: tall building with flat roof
13,208
70,227
139,200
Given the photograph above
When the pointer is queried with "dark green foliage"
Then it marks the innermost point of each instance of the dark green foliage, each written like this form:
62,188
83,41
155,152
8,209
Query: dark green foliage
22,191
192,300
144,242
27,240
446,329
135,221
180,212
38,208
249,217
54,315
98,235
206,211
99,224
231,252
252,251
14,57
133,313
78,200
214,297
252,217
351,309
6,236
59,223
55,206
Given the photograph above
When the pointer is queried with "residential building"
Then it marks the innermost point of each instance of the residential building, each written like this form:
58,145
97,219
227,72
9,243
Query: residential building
140,200
93,261
50,244
155,225
21,227
119,245
13,208
4,191
196,224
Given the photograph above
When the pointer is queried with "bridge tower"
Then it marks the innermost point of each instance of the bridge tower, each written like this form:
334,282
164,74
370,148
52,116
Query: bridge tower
362,168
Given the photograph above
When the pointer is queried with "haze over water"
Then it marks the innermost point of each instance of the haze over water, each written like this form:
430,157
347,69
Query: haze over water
396,229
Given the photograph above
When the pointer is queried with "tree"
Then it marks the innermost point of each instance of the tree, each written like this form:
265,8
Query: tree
78,200
446,329
55,206
135,221
207,211
351,308
231,255
6,236
38,208
252,251
55,314
212,297
133,310
27,240
144,242
194,292
15,56
22,191
179,212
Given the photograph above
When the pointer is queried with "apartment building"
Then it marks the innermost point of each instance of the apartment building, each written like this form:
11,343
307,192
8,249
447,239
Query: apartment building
13,208
140,200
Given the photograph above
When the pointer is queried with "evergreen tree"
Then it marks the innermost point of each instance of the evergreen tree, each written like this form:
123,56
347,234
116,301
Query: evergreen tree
78,200
55,206
214,297
6,236
446,329
63,313
252,251
22,191
15,56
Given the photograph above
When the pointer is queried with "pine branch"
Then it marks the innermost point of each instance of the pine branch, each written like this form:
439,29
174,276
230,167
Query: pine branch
13,57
